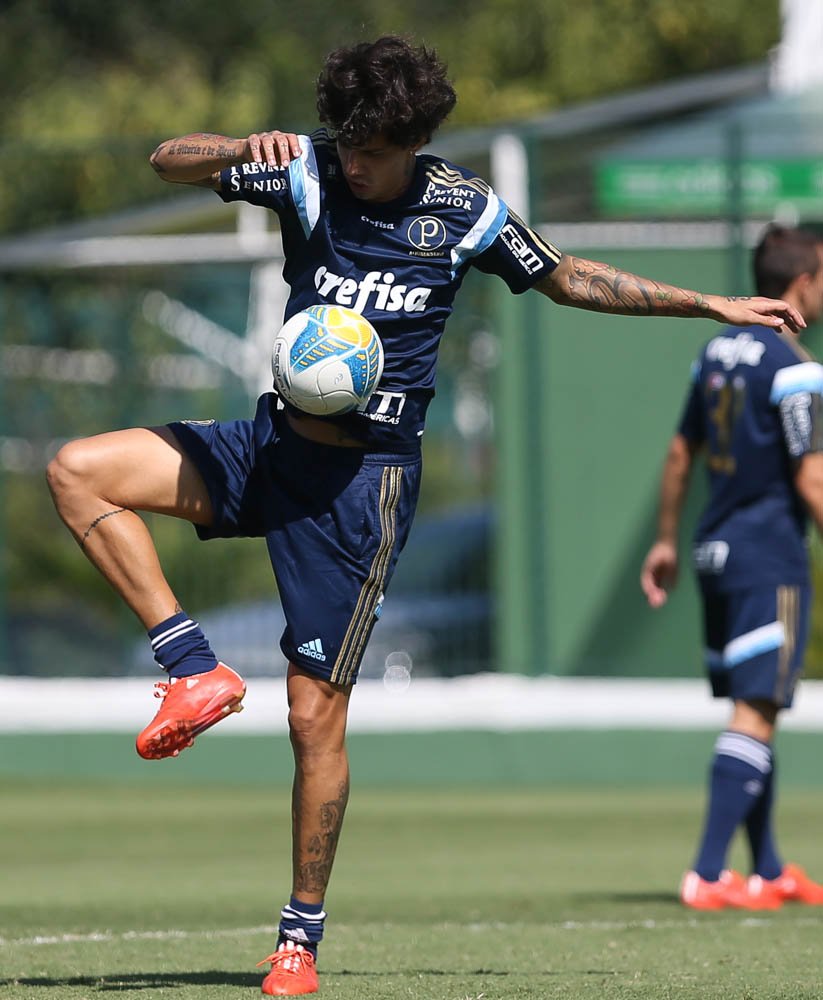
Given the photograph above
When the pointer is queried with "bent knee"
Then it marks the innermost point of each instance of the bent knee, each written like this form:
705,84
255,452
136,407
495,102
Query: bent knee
71,469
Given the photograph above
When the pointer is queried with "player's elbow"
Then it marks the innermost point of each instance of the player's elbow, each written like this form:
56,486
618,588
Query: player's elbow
158,164
808,481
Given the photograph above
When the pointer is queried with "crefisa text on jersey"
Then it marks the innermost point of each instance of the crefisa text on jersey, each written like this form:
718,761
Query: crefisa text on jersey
375,289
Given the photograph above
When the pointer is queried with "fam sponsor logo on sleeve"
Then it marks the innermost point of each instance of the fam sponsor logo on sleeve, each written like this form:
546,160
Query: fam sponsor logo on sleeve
796,416
526,255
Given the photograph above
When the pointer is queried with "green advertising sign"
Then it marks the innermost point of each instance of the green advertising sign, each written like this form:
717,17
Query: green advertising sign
704,186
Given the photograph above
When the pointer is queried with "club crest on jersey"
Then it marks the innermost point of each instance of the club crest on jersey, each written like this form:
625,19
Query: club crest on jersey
376,291
426,233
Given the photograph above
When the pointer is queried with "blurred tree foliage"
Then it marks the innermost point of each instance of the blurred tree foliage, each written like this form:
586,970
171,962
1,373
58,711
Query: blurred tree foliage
91,87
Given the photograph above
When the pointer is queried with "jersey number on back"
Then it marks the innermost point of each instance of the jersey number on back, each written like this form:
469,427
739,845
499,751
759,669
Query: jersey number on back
725,403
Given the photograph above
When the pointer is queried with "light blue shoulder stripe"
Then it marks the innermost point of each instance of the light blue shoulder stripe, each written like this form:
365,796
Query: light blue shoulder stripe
696,370
305,186
482,234
805,377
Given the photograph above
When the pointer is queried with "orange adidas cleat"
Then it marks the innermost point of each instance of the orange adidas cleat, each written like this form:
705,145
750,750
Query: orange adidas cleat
190,706
699,894
292,973
794,885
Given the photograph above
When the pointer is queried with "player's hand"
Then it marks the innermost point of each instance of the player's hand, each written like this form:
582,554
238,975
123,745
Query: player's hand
659,573
757,311
275,149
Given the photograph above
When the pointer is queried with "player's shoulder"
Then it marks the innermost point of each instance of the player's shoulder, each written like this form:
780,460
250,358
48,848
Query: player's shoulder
796,370
451,185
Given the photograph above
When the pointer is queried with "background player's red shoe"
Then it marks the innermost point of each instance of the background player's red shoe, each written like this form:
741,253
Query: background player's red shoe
190,706
699,894
794,885
292,971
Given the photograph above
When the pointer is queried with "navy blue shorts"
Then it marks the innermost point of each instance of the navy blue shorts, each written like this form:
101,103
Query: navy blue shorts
755,641
334,519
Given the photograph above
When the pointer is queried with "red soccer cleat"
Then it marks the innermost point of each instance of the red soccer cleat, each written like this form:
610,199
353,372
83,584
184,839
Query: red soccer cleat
760,894
190,706
794,885
292,971
699,894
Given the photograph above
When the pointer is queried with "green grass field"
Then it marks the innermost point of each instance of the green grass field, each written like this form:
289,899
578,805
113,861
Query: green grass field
166,892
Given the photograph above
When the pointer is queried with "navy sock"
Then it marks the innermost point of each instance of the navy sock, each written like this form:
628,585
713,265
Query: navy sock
738,777
302,923
766,860
180,647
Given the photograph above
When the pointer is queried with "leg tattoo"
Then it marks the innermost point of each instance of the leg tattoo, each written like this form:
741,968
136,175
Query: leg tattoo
313,875
96,521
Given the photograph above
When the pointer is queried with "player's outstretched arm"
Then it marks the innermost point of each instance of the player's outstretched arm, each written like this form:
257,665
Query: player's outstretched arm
199,157
660,567
589,284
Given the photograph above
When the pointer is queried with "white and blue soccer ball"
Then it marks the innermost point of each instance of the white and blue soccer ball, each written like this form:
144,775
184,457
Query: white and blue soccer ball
327,360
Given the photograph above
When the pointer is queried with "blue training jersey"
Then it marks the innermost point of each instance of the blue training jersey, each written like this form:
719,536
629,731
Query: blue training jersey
398,263
755,404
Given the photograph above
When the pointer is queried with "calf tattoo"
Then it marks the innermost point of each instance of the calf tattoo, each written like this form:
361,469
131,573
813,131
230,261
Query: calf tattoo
313,876
96,521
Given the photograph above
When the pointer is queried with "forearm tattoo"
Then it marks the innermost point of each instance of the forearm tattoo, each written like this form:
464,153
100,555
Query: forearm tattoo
313,875
96,521
603,288
204,144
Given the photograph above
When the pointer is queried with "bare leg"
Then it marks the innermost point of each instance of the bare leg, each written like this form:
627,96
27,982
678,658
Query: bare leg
317,725
97,485
754,718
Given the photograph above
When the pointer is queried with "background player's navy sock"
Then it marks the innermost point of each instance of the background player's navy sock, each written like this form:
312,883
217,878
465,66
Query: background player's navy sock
766,860
738,776
180,647
302,923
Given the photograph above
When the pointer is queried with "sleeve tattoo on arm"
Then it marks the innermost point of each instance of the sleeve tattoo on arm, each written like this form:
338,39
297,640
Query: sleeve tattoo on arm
603,288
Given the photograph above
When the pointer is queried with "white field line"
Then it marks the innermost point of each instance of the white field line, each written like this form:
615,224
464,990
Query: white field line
109,937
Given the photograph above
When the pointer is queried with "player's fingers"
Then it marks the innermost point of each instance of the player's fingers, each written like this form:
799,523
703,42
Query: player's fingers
271,152
779,313
254,145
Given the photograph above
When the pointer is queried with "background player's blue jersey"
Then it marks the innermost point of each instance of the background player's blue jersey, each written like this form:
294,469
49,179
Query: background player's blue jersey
398,263
755,404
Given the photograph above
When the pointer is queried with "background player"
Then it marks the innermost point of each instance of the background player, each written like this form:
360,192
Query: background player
755,408
368,223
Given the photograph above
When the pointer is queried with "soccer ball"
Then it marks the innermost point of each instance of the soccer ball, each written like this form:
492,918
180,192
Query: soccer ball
327,360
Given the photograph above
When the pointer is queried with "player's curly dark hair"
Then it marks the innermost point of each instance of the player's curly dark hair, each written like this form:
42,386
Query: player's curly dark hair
783,254
387,87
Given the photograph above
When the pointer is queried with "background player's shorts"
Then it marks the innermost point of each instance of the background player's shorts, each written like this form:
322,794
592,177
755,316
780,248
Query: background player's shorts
755,641
334,519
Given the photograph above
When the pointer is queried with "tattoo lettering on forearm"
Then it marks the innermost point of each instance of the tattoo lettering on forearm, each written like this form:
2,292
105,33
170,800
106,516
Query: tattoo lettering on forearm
313,875
603,288
96,521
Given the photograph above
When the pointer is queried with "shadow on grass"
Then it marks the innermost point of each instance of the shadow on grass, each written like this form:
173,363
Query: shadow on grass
169,980
629,897
140,980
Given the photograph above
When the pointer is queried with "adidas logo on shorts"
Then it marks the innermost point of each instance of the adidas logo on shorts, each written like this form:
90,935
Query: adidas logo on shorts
313,649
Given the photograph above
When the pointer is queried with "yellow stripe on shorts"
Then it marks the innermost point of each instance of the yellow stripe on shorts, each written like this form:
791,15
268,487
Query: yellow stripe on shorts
360,626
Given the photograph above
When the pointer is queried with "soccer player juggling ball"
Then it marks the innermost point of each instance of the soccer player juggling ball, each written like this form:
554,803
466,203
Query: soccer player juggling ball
368,222
754,410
